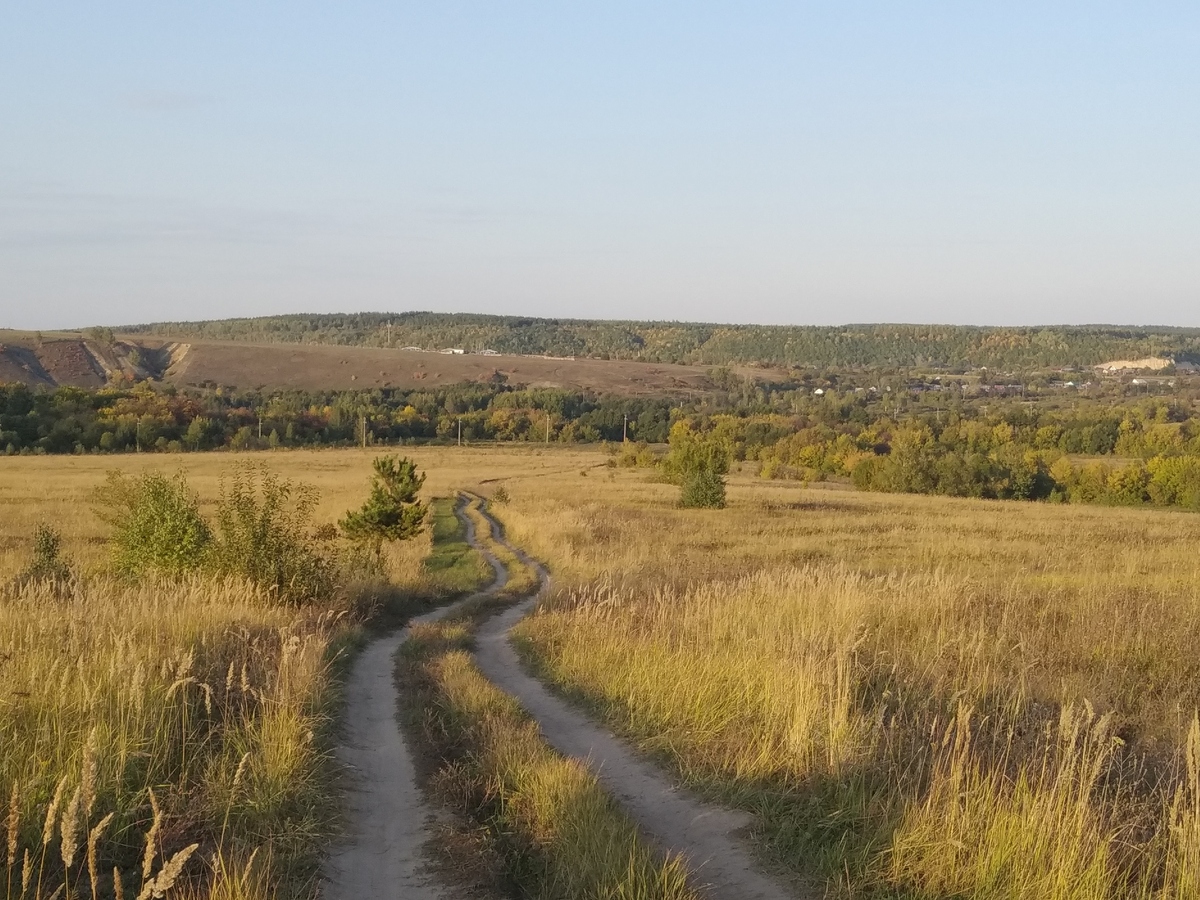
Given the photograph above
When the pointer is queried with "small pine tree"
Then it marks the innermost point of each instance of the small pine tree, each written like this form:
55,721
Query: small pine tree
392,512
47,565
703,489
697,463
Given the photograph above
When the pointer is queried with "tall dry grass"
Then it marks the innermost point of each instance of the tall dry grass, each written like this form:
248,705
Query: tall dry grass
138,720
164,715
918,696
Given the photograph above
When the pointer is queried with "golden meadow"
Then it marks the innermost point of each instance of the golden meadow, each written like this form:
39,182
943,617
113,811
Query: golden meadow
173,737
917,696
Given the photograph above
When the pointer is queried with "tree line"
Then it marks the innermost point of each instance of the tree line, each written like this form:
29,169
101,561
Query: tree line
938,346
148,418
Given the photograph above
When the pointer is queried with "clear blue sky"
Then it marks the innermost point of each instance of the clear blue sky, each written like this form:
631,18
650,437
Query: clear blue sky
1007,163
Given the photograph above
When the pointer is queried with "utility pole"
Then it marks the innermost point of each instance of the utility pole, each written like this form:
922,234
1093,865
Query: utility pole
547,427
362,427
389,343
260,426
460,431
625,430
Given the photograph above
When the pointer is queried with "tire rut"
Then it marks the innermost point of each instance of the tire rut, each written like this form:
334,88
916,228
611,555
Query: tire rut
706,835
381,856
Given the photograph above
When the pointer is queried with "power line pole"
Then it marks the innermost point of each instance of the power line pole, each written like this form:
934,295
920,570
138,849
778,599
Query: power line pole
460,432
625,430
362,427
547,427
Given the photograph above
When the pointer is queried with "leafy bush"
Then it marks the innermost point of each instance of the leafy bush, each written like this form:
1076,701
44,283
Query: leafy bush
261,534
703,489
157,525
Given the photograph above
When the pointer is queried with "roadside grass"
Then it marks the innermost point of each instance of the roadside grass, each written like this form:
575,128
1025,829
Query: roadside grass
917,697
181,731
543,821
545,817
162,716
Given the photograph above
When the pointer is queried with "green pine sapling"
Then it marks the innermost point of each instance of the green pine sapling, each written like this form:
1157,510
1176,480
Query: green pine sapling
392,512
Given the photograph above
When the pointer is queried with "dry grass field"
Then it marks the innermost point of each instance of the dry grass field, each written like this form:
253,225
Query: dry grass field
176,733
58,490
917,696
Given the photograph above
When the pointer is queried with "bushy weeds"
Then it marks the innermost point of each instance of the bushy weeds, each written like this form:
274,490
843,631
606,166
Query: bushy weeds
49,565
262,534
156,524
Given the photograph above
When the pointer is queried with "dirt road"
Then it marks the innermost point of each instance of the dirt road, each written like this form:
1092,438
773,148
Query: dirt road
706,835
381,856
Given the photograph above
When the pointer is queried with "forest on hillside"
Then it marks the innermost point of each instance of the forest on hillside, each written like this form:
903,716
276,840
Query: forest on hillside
949,347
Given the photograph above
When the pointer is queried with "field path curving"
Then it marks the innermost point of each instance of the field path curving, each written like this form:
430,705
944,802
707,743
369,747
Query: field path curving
705,834
381,856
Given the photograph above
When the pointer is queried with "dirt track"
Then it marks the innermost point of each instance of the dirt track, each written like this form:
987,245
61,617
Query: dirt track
706,835
381,856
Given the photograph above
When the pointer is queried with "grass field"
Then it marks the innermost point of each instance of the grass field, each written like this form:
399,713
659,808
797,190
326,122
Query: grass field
177,733
917,696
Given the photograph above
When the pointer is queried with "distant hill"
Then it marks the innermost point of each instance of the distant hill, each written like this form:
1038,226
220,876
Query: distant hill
79,360
903,346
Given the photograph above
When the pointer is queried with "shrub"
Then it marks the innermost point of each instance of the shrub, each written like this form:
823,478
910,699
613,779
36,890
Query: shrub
156,522
392,511
698,463
703,489
500,496
262,524
48,565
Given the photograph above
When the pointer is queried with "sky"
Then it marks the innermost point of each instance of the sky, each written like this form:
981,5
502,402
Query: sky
780,163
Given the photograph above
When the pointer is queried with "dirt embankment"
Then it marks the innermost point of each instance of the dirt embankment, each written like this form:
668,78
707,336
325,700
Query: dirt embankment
65,359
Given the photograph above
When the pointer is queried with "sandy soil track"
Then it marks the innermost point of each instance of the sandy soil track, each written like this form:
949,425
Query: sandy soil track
705,834
381,857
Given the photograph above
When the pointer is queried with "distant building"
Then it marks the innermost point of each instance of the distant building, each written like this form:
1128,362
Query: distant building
488,353
418,349
456,351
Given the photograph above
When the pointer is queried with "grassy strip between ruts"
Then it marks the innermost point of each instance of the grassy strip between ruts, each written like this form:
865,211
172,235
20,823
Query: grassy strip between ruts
522,576
542,818
457,567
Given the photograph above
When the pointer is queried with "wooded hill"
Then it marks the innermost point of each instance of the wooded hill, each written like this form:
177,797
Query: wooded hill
937,346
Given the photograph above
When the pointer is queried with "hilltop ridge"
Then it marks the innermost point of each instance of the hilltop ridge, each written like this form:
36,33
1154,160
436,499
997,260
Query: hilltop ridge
694,343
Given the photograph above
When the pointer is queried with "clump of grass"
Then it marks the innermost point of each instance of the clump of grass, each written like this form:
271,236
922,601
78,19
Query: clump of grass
197,704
